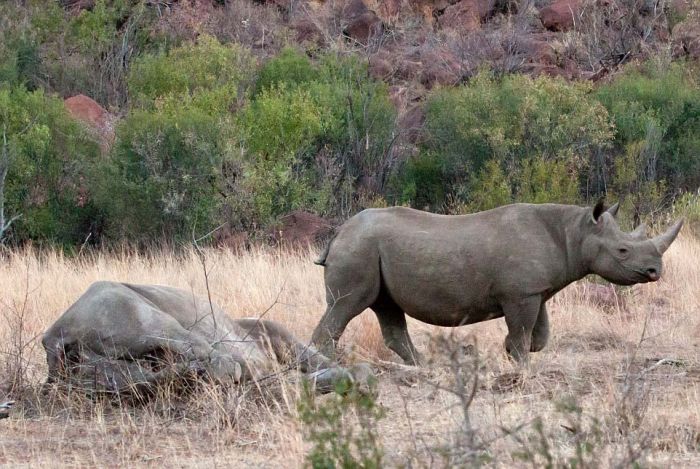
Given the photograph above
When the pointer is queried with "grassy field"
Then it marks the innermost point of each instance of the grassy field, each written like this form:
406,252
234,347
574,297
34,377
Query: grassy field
619,381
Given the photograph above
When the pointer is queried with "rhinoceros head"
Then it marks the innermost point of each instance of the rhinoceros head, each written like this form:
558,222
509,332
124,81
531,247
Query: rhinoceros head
624,258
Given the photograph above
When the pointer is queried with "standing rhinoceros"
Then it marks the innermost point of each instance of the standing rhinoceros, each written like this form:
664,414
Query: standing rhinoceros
456,270
119,337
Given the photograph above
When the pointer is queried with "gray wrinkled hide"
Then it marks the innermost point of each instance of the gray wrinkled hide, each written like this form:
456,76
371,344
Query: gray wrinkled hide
455,270
119,336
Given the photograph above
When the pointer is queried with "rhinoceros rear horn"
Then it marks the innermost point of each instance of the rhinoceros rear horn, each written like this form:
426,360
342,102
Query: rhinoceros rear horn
663,241
640,232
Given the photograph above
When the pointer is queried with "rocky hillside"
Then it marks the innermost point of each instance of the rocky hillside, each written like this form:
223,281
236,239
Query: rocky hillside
138,121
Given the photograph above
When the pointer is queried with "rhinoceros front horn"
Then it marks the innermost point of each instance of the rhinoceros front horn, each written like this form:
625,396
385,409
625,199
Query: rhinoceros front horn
662,242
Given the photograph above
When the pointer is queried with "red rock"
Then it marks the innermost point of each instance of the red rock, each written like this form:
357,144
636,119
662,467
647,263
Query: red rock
364,26
440,68
466,15
561,15
306,30
301,228
94,116
537,49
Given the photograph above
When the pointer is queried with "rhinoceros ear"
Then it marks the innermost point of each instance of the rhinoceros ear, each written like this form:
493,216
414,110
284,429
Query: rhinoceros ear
613,210
598,210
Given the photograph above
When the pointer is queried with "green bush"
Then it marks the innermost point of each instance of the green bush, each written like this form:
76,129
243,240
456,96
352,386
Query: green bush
541,181
90,52
278,128
342,428
490,189
522,124
94,30
289,67
167,175
51,163
313,132
22,29
214,75
657,109
164,176
423,183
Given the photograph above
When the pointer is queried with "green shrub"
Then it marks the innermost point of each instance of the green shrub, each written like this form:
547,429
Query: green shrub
94,30
490,189
339,132
359,130
541,181
278,128
540,131
50,165
289,67
657,109
206,68
422,182
342,428
23,28
164,176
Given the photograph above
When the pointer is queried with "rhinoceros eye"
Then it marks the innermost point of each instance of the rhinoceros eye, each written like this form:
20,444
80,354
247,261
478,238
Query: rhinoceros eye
623,251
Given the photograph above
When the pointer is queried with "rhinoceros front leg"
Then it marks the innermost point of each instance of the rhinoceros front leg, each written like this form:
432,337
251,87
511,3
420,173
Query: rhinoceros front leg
540,333
521,317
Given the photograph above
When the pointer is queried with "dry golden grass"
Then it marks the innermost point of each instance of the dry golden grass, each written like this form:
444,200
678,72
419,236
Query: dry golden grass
606,358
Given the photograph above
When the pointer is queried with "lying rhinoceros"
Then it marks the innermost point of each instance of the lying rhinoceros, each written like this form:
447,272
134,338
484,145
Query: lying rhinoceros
119,337
455,270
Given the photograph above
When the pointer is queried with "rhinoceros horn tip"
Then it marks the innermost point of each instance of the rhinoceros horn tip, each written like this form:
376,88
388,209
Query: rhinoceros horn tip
663,241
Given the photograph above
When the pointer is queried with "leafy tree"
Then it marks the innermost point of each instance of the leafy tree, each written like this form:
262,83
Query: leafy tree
167,172
164,177
289,67
278,128
520,123
46,162
212,74
352,145
656,110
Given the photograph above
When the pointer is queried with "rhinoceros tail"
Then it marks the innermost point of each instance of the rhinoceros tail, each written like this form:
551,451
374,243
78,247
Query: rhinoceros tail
322,259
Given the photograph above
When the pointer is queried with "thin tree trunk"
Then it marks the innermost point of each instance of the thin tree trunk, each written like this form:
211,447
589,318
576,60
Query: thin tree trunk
4,166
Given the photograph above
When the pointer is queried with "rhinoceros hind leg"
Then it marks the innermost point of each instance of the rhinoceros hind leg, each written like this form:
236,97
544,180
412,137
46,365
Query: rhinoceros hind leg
392,321
521,317
334,322
353,282
540,333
